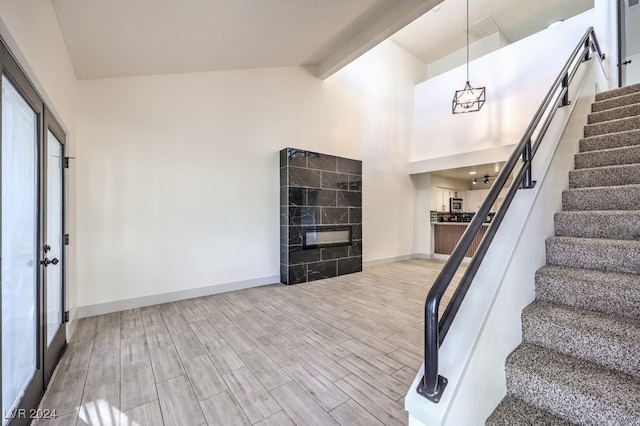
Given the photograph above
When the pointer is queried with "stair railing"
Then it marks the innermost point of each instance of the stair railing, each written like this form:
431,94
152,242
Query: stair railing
432,384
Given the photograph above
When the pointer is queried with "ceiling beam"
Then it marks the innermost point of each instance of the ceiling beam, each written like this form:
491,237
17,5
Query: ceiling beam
400,14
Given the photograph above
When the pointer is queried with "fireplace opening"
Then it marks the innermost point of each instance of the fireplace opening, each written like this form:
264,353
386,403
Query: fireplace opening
334,236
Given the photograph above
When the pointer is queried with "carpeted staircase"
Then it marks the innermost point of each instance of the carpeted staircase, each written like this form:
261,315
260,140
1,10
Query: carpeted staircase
579,362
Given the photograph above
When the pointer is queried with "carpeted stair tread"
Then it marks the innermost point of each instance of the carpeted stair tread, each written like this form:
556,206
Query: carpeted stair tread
632,98
515,412
619,197
601,254
618,92
619,125
610,140
617,224
615,113
609,292
571,388
624,174
607,340
608,157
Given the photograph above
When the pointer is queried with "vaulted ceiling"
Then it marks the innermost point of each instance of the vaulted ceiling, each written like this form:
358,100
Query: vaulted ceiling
138,37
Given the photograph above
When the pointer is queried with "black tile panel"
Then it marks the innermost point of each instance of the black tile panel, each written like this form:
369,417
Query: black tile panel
349,199
321,270
322,197
296,157
298,255
349,265
329,253
355,183
297,196
304,177
304,216
297,274
347,165
334,215
295,236
323,162
356,232
284,215
355,249
332,180
355,215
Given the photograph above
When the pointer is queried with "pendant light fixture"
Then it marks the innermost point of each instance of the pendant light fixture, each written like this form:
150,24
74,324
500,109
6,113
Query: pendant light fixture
468,99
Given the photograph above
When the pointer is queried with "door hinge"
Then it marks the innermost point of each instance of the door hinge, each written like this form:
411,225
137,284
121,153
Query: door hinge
66,316
66,239
65,161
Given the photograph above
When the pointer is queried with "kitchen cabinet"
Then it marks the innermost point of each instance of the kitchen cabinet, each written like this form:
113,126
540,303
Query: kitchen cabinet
447,235
475,198
442,198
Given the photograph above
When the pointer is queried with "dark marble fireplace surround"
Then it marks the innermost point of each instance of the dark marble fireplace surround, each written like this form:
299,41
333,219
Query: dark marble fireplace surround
323,192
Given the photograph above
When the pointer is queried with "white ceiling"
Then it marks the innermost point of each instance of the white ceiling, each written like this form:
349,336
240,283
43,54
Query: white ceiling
442,30
138,37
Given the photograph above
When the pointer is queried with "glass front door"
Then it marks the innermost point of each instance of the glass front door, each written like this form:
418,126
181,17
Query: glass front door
21,372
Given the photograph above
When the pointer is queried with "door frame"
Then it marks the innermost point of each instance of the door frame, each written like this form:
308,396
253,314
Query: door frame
621,42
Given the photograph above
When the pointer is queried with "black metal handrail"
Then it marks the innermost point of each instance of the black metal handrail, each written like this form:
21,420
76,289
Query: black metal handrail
432,384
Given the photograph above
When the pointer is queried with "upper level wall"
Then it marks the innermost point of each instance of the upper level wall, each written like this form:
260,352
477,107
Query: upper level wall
516,77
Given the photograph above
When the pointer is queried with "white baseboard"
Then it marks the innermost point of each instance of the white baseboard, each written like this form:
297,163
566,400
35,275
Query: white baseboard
436,256
154,299
369,263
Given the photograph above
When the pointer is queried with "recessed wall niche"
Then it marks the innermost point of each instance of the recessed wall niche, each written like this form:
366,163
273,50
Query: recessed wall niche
320,216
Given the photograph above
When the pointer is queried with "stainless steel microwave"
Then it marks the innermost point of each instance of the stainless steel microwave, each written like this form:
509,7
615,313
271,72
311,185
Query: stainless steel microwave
455,205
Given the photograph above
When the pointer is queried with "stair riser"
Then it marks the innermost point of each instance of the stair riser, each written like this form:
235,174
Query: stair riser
612,157
602,198
615,140
614,114
590,337
593,254
631,99
616,294
605,176
622,91
621,125
514,412
598,225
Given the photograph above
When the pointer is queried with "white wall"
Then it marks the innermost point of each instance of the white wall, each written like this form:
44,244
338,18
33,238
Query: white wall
516,77
477,49
178,176
30,29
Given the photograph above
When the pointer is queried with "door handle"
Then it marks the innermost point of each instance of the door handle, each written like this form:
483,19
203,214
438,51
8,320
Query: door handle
46,262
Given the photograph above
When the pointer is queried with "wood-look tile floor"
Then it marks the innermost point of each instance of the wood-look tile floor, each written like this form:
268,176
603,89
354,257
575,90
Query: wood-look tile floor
337,351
